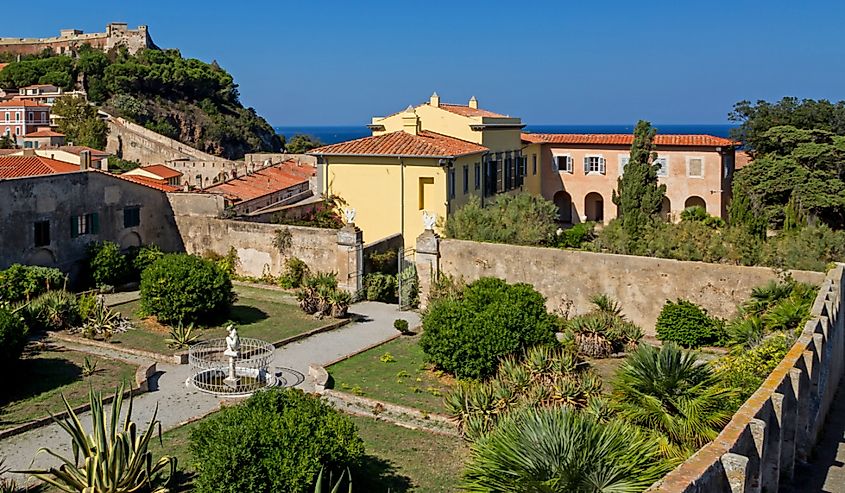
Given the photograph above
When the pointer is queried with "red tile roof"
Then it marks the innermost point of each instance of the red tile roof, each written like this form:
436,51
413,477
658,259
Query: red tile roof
17,103
77,150
162,171
20,166
3,65
424,144
159,185
44,133
464,110
265,181
688,140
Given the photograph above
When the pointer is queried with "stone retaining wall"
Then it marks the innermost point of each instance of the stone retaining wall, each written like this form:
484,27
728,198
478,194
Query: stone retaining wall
781,422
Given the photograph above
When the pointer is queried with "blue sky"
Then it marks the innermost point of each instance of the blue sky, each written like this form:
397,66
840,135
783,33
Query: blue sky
566,62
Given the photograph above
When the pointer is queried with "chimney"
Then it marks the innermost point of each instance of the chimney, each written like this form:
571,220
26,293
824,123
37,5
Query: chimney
434,101
473,103
410,121
84,160
29,151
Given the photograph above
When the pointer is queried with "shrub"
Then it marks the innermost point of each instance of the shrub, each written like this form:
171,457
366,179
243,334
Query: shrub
185,288
24,282
380,287
401,326
277,440
575,236
604,330
53,310
384,262
108,266
13,334
295,273
146,256
517,219
687,324
746,370
467,336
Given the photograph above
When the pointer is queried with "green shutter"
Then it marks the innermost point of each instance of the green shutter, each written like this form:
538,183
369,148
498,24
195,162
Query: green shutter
74,226
95,223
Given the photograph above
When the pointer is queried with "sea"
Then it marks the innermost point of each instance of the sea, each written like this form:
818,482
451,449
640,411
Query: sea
332,134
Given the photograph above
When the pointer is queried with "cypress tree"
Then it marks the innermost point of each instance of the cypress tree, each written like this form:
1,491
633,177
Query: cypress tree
637,193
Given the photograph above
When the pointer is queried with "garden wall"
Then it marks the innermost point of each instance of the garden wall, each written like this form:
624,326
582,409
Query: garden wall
641,284
781,422
254,243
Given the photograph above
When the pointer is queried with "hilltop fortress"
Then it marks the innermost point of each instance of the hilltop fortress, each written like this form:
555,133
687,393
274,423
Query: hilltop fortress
69,40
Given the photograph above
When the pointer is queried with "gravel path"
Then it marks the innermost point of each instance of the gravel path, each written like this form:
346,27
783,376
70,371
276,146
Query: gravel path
178,403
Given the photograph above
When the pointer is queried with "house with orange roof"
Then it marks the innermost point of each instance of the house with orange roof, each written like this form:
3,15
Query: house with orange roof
579,172
31,165
158,172
274,185
43,137
428,158
20,117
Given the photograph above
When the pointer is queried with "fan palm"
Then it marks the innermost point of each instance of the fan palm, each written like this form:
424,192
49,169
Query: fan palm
745,333
670,391
762,297
554,450
787,315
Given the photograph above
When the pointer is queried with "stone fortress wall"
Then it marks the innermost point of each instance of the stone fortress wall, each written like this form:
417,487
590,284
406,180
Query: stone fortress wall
69,40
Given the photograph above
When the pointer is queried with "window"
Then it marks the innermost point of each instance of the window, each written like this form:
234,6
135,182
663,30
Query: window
42,233
451,183
131,217
425,186
594,164
562,163
695,167
86,224
466,179
477,176
533,164
664,166
623,161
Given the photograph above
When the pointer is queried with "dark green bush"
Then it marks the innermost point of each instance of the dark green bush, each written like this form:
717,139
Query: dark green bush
688,324
13,334
53,310
384,262
24,282
276,441
108,266
295,273
518,219
185,288
401,326
380,287
575,236
468,336
145,257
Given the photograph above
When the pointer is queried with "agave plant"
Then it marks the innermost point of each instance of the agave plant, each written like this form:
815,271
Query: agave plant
7,485
557,450
89,367
181,336
339,301
103,323
113,458
345,475
671,391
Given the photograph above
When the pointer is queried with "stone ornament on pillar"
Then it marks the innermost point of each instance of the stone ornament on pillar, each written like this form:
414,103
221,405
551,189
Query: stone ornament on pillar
429,220
350,215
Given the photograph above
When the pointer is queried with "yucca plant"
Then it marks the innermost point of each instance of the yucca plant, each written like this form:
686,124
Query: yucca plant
181,336
339,300
7,485
557,450
607,305
671,391
89,367
113,458
103,323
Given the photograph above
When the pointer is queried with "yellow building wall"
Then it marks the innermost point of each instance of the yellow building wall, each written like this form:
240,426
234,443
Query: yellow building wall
533,169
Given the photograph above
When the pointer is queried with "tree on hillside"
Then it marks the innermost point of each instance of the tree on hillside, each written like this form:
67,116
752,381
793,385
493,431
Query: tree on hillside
80,123
637,193
301,143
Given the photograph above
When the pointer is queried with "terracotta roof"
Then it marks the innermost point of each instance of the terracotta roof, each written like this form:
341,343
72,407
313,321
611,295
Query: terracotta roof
44,133
38,86
424,144
3,65
16,103
160,185
161,171
20,166
691,140
262,182
78,149
6,152
464,110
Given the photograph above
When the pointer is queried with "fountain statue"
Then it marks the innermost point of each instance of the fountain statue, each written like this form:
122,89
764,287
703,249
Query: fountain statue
233,347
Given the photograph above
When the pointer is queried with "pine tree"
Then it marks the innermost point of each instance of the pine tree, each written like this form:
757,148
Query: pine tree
638,195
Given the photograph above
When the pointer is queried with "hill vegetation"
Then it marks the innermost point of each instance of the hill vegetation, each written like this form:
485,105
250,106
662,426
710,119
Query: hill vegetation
186,99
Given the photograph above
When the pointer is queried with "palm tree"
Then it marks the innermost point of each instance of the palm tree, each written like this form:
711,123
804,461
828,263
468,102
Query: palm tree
555,450
672,392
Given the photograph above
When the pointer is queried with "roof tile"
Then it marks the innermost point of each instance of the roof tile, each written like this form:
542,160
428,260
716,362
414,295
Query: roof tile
264,181
424,144
692,140
20,166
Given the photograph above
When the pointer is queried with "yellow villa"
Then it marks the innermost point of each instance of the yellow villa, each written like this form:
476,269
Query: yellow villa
431,158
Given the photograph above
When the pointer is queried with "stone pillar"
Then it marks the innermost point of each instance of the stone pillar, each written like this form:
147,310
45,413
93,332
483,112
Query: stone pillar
772,458
791,420
756,464
736,471
427,262
350,259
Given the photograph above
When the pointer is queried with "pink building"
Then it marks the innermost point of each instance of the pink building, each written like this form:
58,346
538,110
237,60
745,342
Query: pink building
579,172
20,117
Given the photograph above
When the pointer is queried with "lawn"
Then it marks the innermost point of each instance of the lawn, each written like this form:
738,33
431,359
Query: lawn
260,313
394,372
42,376
398,459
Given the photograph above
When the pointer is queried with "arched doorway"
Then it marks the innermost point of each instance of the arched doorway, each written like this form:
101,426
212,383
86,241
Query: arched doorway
42,257
666,208
129,240
695,201
563,201
594,207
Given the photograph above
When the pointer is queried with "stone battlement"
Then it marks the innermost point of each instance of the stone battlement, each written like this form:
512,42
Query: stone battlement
69,40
